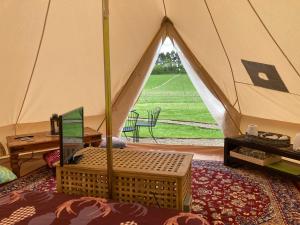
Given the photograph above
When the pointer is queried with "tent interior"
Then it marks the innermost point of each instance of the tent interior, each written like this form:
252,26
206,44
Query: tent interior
243,57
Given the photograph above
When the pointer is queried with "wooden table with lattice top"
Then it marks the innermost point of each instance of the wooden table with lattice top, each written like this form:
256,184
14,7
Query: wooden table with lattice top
155,178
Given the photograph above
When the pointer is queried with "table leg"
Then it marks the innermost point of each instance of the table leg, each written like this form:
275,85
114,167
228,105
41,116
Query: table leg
14,164
137,134
227,148
134,136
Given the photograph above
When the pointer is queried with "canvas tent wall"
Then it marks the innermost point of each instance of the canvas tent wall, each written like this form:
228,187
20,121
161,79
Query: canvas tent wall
51,58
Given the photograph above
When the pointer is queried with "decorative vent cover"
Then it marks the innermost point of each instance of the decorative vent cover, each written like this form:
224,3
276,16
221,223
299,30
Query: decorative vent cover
264,75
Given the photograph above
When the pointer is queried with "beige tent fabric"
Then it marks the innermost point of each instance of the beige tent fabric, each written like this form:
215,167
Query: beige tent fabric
133,87
282,20
212,34
229,123
69,70
244,37
277,105
70,62
20,27
202,40
214,105
262,49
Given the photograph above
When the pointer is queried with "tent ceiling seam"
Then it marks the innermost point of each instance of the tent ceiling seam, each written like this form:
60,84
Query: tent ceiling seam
272,37
165,9
235,103
101,124
34,64
249,84
226,54
116,99
272,101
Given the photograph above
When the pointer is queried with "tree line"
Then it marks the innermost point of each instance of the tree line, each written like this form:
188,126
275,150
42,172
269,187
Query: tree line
168,63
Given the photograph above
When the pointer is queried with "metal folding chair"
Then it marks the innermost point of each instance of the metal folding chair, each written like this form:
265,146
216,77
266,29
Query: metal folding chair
130,124
150,123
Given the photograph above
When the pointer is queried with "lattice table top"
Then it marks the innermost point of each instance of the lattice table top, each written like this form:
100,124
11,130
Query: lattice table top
137,161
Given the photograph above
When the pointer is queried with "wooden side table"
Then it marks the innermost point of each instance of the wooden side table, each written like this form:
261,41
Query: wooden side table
42,141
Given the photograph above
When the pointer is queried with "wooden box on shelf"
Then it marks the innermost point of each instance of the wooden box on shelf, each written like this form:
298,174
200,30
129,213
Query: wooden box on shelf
146,177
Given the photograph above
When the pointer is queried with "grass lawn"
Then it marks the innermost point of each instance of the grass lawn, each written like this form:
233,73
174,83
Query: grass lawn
163,130
177,97
178,111
178,100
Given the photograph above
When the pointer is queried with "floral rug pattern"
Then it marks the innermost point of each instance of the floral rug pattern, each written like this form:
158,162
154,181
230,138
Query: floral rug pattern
41,179
246,195
222,195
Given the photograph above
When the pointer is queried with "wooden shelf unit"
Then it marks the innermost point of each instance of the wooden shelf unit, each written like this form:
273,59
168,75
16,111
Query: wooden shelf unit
232,143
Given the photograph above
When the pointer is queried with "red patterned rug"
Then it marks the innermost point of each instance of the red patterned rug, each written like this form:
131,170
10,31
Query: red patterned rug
245,195
39,180
221,194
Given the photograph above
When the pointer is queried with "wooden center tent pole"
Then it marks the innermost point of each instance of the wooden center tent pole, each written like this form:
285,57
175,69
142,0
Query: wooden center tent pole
108,106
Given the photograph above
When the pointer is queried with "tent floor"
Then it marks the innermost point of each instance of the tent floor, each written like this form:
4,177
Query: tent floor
200,152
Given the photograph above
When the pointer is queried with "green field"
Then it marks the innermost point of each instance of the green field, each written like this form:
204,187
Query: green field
178,100
177,97
163,130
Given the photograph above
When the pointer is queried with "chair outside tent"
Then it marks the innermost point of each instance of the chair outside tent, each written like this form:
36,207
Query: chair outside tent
130,124
150,123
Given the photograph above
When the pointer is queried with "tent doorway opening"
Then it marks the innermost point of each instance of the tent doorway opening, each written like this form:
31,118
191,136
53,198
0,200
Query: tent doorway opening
184,117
